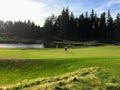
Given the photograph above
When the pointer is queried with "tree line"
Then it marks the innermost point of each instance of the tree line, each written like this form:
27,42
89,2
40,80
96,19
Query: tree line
66,26
20,30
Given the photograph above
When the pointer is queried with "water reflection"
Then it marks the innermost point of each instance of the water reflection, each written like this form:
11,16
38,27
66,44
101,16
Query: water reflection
21,45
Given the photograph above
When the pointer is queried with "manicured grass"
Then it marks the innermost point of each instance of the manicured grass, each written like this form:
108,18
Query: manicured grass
52,53
17,65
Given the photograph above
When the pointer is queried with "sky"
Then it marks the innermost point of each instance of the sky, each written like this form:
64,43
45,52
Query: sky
38,10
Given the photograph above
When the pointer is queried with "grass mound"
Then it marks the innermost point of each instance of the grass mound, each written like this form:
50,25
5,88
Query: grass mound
93,78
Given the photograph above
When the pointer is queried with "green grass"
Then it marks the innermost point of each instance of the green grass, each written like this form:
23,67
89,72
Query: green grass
93,52
17,65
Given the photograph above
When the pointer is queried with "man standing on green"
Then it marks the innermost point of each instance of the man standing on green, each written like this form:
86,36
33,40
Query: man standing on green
65,48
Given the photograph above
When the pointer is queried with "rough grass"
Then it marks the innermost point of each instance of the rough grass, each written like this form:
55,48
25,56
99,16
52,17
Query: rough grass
82,79
19,65
93,78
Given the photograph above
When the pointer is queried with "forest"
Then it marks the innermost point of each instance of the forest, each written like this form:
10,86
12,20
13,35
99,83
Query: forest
86,27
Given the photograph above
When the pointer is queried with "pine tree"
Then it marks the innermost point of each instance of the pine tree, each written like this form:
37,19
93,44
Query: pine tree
102,26
63,23
71,32
110,27
117,27
50,31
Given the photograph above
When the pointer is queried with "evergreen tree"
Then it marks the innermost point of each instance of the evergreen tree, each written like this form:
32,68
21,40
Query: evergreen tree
63,23
117,27
92,24
110,27
81,29
1,28
50,28
95,27
102,26
71,32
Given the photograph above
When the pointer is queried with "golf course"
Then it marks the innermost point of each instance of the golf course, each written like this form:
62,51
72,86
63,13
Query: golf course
86,68
60,45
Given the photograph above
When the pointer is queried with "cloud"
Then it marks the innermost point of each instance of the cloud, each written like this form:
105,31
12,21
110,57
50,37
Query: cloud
56,6
39,10
22,10
35,10
109,4
100,8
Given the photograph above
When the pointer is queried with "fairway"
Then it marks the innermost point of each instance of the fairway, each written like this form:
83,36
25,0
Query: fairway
19,65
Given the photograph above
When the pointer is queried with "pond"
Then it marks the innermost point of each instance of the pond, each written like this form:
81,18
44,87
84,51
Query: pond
21,45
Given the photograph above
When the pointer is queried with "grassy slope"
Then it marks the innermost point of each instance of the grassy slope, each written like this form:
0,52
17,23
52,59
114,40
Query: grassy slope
35,63
93,78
